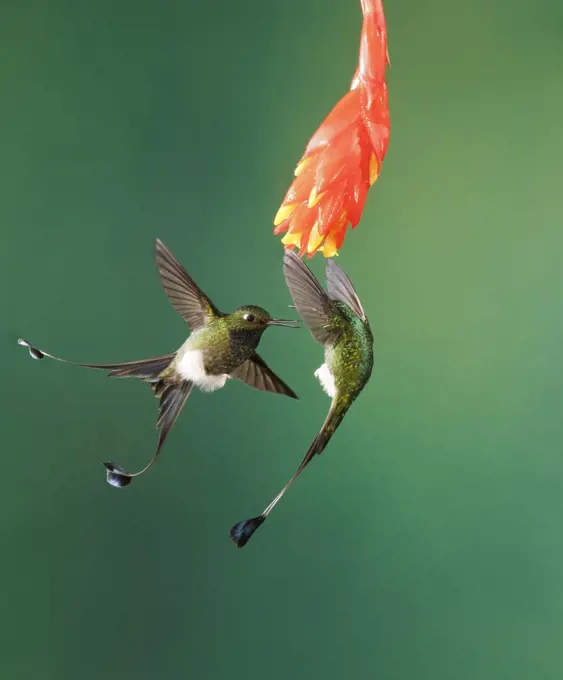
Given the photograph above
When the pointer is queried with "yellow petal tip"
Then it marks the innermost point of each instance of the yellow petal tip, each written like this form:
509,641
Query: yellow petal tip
284,212
314,198
292,239
302,165
328,249
315,239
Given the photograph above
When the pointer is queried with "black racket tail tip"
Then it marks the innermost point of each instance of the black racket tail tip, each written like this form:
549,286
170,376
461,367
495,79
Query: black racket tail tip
33,351
243,531
117,476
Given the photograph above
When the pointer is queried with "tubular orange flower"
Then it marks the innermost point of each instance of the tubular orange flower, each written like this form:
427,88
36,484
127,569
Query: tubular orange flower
344,157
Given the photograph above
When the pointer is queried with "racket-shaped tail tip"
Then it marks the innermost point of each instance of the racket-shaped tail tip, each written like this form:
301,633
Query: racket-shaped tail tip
33,351
242,532
117,476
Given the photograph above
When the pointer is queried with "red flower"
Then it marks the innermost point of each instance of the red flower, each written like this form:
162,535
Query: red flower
344,157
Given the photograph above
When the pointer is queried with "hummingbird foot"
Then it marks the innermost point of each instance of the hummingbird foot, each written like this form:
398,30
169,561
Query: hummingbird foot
117,476
242,532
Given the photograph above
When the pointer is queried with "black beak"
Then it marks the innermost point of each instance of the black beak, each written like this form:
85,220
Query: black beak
284,322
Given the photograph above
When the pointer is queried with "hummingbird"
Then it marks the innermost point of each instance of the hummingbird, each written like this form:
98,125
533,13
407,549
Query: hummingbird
220,346
337,321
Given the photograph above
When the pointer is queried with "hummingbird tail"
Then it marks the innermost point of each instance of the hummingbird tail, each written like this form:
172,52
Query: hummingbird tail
171,393
319,443
172,397
145,369
242,532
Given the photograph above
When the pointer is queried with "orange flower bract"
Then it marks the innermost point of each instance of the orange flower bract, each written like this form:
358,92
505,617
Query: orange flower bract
344,157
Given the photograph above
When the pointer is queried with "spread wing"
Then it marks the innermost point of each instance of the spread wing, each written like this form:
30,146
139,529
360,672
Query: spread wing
310,299
340,288
256,373
184,294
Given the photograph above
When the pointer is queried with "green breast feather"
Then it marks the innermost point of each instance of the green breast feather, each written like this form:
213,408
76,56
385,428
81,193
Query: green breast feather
351,358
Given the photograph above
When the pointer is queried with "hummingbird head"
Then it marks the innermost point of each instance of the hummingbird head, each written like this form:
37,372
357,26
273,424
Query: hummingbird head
251,318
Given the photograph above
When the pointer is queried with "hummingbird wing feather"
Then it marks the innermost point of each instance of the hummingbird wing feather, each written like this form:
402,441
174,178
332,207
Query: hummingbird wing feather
256,373
310,299
185,295
340,288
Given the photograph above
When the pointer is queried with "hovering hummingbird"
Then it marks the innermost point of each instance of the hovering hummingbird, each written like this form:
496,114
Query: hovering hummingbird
221,346
338,322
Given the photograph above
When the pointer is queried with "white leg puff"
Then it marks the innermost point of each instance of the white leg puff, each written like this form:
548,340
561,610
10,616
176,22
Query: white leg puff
326,379
190,367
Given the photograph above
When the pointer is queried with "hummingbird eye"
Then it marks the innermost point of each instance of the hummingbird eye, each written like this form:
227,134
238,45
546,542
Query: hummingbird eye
249,317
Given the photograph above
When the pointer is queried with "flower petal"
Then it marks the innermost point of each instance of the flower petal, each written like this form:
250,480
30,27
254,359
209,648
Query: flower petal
314,198
330,209
284,212
292,239
329,249
315,239
339,159
356,204
339,119
303,163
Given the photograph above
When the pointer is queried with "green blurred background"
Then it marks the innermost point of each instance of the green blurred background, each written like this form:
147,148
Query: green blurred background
427,542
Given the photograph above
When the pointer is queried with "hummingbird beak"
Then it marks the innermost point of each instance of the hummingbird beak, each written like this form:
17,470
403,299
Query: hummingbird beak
284,322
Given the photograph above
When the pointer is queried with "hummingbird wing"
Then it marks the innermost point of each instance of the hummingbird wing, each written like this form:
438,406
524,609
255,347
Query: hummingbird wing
256,373
310,299
184,294
340,288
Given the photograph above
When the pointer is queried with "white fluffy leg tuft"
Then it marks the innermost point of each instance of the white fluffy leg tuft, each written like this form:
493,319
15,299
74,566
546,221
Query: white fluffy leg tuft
326,379
190,367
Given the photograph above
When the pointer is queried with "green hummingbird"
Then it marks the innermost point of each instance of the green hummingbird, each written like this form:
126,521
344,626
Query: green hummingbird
221,346
338,322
